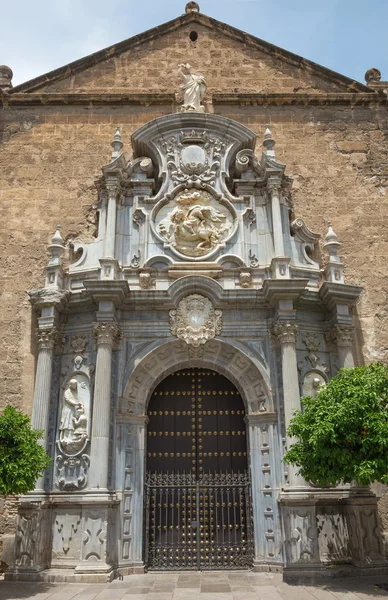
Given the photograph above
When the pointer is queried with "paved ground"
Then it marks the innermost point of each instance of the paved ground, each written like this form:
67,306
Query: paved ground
197,586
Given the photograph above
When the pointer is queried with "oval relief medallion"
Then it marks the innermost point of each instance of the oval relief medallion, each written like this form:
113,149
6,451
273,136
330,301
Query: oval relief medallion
194,223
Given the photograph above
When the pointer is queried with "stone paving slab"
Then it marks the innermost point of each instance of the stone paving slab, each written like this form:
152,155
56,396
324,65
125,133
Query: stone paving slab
199,586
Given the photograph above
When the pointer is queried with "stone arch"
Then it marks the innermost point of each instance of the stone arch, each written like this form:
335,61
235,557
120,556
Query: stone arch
157,361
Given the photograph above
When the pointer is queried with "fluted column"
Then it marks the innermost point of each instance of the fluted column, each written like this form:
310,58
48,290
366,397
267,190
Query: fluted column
342,336
105,334
41,403
287,334
274,190
110,234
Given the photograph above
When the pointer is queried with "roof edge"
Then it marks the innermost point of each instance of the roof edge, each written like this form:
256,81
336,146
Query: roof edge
92,59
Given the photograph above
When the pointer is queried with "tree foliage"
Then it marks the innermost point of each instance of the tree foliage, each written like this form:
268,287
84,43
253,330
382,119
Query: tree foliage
22,458
342,434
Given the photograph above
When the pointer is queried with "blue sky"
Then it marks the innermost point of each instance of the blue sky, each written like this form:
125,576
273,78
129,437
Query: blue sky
348,36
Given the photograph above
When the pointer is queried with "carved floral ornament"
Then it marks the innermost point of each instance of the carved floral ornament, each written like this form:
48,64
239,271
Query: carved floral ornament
286,331
196,320
194,223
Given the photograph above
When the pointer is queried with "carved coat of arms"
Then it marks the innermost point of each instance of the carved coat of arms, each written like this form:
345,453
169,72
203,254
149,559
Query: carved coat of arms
196,320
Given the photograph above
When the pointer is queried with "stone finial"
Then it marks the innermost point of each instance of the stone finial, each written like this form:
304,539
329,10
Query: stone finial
331,241
55,251
5,78
57,239
269,142
116,144
334,269
192,7
372,75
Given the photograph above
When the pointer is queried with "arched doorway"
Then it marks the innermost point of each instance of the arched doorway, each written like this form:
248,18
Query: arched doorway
198,500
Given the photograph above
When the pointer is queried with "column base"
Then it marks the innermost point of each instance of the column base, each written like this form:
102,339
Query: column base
266,567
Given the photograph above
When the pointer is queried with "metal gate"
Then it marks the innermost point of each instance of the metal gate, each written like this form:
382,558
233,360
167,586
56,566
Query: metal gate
198,524
198,492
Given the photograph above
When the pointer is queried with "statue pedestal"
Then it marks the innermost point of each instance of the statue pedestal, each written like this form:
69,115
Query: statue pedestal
330,533
66,538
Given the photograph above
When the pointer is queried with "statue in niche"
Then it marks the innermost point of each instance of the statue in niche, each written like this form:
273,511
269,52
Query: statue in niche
194,88
73,425
195,227
312,383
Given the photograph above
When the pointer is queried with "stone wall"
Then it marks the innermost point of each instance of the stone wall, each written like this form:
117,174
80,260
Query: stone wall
50,155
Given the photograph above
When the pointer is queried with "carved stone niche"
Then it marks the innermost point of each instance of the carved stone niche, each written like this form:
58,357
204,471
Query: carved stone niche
196,320
194,223
73,435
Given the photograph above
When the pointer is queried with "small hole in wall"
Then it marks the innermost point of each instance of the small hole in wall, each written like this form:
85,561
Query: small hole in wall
193,36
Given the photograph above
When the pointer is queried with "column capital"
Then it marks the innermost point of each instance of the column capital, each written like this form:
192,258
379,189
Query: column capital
48,337
286,331
106,333
341,335
274,185
113,187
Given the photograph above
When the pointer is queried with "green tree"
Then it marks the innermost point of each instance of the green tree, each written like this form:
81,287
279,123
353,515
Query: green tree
22,458
342,434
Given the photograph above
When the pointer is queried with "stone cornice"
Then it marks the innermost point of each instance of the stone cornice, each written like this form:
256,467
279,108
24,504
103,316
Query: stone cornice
304,99
115,291
283,289
45,297
146,99
332,294
27,99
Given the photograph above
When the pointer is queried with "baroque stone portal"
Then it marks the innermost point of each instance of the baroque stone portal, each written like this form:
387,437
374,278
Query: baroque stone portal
196,321
194,223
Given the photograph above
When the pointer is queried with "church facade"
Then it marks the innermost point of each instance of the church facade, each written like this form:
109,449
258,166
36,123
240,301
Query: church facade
194,292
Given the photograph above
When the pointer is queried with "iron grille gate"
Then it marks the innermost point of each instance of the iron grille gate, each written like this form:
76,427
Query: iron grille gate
198,524
198,507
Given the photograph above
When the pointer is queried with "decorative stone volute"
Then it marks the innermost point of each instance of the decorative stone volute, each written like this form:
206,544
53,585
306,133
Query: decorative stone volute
196,320
106,333
5,78
286,331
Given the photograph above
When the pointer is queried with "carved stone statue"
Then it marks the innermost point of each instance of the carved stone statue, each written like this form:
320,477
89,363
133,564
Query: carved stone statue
194,88
73,425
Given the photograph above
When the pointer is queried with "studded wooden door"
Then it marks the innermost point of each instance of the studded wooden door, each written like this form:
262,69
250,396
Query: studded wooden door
198,507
